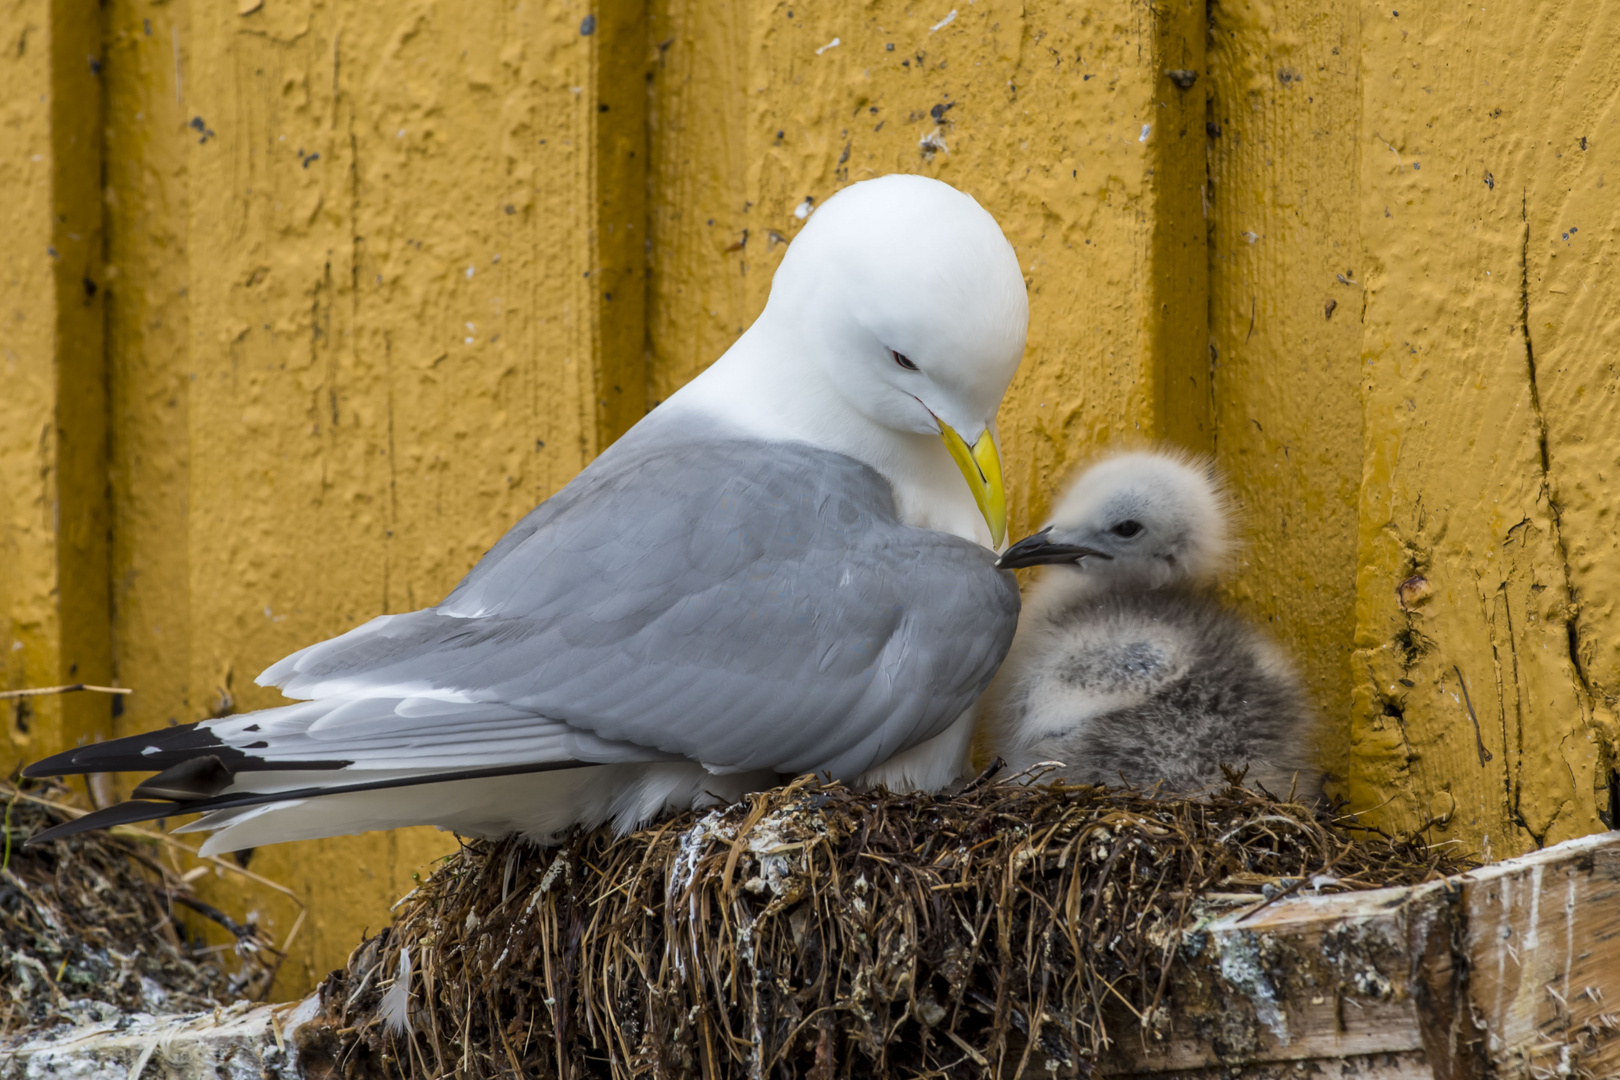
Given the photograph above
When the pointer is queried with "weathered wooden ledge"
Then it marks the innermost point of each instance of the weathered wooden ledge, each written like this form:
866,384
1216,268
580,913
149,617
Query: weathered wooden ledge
1508,972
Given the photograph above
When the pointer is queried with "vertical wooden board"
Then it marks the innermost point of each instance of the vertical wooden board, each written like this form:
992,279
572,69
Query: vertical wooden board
820,96
148,369
1467,704
394,331
698,208
287,475
1569,124
1178,300
53,576
1543,948
81,375
1285,327
621,73
28,649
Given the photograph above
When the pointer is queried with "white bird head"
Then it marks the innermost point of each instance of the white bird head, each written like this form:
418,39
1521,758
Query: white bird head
1146,519
907,298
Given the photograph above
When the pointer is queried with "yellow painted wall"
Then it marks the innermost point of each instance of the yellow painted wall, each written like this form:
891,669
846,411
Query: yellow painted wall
372,279
53,497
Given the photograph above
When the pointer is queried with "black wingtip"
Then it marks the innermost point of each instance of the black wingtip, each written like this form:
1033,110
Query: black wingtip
163,751
150,751
200,778
145,810
55,765
125,813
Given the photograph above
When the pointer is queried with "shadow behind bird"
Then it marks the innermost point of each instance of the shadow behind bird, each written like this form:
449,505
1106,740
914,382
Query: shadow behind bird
1126,665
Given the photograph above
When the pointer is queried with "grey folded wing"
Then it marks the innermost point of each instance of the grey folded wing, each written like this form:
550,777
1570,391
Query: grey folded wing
743,604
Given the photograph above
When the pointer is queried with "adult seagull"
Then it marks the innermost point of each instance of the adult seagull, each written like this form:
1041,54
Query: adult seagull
779,570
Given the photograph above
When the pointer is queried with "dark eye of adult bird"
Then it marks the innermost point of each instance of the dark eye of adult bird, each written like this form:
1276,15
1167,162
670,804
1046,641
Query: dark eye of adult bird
903,360
1127,529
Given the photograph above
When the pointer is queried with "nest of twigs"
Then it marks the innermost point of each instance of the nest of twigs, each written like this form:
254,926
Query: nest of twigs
92,926
821,932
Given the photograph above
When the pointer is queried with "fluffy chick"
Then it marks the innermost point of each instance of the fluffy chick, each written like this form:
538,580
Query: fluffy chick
1125,664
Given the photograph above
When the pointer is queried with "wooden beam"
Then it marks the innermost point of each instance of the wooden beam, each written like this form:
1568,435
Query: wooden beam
1285,324
1509,971
1482,610
53,481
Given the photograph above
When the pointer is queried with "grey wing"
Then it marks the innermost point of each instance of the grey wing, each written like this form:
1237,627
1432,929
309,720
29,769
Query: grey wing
742,604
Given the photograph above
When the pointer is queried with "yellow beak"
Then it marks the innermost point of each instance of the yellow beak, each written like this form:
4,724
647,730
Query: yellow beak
981,468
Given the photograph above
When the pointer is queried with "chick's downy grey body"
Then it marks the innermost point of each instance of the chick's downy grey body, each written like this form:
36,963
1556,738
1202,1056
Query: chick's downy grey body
1126,666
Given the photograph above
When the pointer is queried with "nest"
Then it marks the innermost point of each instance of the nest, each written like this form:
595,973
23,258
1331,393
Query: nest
90,926
821,932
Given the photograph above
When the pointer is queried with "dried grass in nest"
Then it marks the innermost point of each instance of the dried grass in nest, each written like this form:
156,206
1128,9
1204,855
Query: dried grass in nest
821,932
92,924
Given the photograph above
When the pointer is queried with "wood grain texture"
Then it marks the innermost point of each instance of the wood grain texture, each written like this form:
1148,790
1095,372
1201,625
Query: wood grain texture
1470,699
379,290
1285,325
1509,971
148,349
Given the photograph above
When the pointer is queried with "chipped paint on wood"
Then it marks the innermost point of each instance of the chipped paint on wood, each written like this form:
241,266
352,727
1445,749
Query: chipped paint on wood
1489,403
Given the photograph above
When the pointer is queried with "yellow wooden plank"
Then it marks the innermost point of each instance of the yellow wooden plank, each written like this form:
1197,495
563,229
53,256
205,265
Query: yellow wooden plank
27,341
1285,326
1568,121
53,526
148,368
698,292
369,327
1468,701
620,70
761,111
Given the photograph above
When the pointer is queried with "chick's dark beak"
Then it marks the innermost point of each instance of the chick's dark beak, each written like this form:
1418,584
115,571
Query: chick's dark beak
1039,549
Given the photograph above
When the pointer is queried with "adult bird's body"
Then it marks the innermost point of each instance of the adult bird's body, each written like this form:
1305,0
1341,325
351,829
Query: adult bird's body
780,570
1126,666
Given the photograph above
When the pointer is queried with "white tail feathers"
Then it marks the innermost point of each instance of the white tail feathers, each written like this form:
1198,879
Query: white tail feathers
396,1004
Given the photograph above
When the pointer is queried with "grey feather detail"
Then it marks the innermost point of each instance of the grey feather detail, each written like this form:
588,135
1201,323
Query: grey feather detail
1149,686
744,604
383,734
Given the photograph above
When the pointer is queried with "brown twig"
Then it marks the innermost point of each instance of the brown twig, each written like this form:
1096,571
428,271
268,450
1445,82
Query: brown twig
66,689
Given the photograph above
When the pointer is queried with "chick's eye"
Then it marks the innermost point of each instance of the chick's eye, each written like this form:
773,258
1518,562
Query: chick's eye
1126,529
903,360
